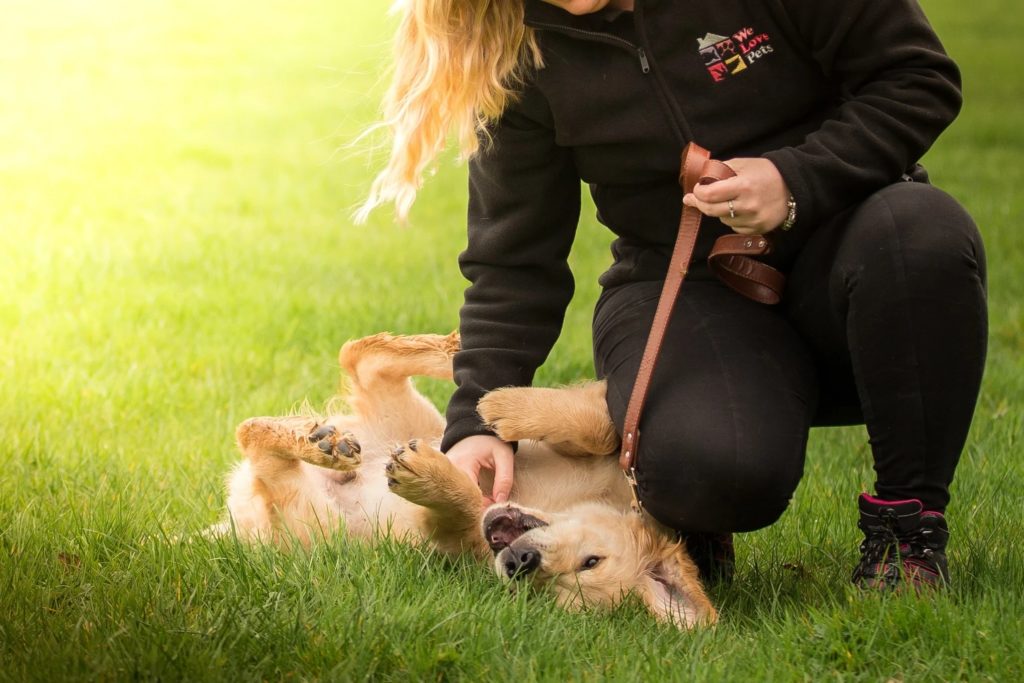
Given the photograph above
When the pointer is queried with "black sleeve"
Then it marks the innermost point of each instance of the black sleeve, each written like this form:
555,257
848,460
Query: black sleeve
899,92
524,204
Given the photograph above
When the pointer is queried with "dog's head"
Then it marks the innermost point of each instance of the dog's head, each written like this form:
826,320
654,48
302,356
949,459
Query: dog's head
595,555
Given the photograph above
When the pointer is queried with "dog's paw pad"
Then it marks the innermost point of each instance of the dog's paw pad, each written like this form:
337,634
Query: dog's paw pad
333,449
348,445
322,434
409,462
419,473
396,470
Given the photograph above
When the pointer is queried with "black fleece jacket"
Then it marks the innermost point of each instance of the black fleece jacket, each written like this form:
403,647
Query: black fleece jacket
843,96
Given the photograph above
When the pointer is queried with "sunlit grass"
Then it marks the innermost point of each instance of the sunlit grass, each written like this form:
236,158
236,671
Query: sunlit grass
176,255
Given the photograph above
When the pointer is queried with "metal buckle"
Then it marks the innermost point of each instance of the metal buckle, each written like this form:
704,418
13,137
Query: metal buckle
630,476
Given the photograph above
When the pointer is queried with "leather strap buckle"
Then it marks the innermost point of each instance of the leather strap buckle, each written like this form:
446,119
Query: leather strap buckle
630,476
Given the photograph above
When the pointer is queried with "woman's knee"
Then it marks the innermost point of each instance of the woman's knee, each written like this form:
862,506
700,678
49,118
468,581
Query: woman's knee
720,487
914,227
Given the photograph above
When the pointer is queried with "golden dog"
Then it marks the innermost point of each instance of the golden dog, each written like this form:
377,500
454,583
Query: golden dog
568,524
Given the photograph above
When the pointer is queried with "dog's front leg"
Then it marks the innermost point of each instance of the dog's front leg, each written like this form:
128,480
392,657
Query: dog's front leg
573,420
452,503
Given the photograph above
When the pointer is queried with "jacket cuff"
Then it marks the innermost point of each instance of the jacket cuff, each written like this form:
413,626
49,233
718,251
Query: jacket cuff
459,430
467,426
787,161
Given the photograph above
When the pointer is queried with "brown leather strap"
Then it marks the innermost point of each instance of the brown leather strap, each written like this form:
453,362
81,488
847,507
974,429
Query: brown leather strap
730,260
712,170
690,172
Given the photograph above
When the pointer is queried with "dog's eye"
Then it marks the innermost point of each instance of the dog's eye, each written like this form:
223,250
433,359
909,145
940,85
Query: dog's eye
590,562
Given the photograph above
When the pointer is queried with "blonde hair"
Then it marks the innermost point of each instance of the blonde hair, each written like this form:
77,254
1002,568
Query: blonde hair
458,64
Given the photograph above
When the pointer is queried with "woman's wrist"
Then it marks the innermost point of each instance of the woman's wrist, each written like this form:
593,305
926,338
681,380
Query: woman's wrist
791,215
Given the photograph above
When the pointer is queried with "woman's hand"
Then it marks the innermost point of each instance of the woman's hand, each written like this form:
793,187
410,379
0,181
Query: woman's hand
483,451
751,203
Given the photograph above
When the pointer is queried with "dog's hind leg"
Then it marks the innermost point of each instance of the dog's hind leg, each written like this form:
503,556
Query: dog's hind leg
270,496
379,369
573,420
452,503
276,444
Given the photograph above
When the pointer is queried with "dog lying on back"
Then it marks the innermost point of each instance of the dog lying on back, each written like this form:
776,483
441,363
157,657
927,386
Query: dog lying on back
568,525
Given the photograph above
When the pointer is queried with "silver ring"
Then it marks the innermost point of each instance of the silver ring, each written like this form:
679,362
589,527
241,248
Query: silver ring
732,210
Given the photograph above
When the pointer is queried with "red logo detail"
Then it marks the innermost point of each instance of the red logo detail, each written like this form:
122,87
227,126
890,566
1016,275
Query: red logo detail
726,56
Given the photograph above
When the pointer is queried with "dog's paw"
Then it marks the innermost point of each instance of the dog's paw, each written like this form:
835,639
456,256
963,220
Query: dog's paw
420,473
325,446
509,413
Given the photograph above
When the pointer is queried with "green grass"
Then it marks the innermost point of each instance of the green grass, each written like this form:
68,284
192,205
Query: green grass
176,255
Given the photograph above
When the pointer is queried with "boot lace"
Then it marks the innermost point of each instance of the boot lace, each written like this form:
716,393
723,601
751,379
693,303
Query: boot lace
887,555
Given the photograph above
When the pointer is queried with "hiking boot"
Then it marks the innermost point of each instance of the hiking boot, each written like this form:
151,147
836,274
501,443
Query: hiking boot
903,544
714,556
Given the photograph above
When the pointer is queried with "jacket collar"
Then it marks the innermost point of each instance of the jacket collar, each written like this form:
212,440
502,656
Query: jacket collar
539,14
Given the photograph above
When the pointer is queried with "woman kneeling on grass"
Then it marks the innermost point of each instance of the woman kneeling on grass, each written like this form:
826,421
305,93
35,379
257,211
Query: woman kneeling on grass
823,109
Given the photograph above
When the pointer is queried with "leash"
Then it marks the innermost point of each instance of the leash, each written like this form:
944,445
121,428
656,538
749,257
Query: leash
731,262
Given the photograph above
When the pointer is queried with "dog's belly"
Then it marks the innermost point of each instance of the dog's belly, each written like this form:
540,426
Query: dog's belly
368,508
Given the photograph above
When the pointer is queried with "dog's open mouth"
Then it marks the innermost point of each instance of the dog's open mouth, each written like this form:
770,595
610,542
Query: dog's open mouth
505,524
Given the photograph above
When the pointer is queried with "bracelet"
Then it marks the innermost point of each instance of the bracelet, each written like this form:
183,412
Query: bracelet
791,216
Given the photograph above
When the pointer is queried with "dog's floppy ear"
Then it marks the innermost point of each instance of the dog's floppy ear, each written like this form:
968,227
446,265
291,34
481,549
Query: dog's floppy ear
671,591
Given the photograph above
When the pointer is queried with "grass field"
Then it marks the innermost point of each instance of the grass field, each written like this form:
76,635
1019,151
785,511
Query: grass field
176,255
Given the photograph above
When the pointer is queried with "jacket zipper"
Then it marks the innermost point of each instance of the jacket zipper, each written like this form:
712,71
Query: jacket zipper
668,101
645,65
680,126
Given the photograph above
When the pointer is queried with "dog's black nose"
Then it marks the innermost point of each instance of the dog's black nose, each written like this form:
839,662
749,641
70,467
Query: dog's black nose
519,563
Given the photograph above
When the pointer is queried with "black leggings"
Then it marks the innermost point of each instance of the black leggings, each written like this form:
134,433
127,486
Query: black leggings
884,323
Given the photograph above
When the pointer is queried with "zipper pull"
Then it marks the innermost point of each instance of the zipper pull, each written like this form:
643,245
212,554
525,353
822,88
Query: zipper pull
645,66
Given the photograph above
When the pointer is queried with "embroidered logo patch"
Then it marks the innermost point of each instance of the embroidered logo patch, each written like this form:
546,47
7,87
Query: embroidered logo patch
728,56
